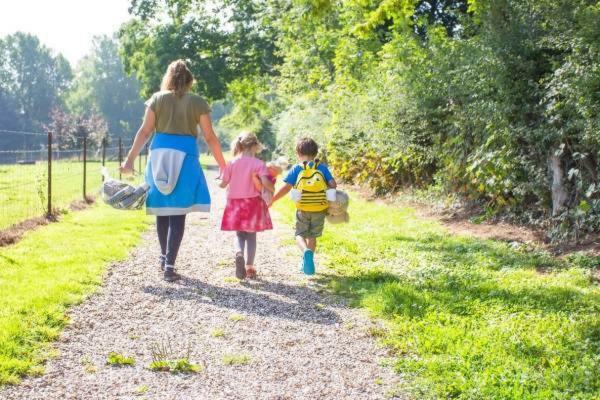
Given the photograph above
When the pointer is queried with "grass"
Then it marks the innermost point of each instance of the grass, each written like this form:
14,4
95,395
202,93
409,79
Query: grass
218,333
88,365
236,317
165,360
23,188
50,269
119,360
142,389
181,366
467,318
236,359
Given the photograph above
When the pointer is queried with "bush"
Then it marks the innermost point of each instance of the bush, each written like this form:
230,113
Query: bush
499,106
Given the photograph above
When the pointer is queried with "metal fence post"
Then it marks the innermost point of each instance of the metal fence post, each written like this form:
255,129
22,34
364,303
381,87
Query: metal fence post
84,164
103,155
120,156
49,209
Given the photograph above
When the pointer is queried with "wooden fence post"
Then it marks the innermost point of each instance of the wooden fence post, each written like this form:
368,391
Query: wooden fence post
84,165
49,206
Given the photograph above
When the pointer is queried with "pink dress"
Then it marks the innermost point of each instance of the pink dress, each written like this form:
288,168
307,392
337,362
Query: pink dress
245,210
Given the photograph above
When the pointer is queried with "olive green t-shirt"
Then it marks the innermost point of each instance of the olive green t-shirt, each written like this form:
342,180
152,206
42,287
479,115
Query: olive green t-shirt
177,115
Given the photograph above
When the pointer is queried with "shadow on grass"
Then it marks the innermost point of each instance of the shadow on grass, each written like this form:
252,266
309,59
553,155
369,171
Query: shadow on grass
303,308
470,316
457,275
399,296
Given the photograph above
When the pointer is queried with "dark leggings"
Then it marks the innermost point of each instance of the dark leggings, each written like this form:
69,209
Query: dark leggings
246,240
170,232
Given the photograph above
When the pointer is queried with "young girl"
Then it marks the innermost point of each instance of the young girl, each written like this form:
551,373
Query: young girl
246,212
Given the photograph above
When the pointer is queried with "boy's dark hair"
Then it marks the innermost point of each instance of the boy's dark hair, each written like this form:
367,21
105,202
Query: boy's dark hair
307,147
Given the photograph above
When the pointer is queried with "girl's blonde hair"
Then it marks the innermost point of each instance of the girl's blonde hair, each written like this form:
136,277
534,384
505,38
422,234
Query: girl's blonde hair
245,141
178,78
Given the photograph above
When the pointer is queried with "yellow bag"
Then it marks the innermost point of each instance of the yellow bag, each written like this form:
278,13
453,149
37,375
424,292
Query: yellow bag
311,183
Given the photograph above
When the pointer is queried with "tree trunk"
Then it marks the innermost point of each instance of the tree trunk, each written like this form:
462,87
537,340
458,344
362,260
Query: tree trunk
559,194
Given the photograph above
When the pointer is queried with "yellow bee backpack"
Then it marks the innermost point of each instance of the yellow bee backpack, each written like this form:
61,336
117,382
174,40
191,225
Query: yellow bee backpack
311,183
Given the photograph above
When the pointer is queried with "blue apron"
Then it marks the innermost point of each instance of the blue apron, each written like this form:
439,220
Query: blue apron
190,193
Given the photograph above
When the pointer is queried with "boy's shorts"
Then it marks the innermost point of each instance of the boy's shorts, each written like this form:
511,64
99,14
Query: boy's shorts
310,224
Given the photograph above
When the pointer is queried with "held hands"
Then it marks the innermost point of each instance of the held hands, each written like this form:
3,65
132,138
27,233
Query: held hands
219,178
221,173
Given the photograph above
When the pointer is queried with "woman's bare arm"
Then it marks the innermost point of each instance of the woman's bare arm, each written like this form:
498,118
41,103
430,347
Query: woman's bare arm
212,140
141,137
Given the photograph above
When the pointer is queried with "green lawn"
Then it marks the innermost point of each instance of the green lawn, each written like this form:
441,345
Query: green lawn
49,269
467,318
23,188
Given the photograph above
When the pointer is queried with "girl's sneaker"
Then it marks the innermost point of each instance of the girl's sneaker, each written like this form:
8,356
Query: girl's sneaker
309,262
240,266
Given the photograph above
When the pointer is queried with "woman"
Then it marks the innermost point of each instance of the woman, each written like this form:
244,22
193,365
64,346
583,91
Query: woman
177,183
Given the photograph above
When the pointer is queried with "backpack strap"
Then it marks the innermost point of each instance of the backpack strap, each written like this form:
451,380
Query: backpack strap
304,167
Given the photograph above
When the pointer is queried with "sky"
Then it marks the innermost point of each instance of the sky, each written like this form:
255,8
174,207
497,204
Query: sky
65,26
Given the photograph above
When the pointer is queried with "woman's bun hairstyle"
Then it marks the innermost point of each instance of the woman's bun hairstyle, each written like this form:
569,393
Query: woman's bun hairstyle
178,78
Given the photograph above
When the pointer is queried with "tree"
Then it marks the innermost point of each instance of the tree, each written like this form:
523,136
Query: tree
9,117
494,101
69,130
33,77
102,87
235,42
447,13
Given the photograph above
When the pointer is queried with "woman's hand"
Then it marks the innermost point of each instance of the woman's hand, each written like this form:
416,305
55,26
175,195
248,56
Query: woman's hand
126,167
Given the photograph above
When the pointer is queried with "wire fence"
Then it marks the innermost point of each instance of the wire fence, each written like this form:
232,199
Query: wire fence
40,175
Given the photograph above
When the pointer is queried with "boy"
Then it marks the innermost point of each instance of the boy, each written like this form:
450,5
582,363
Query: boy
311,179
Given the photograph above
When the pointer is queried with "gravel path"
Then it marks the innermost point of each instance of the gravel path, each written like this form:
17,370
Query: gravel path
296,342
